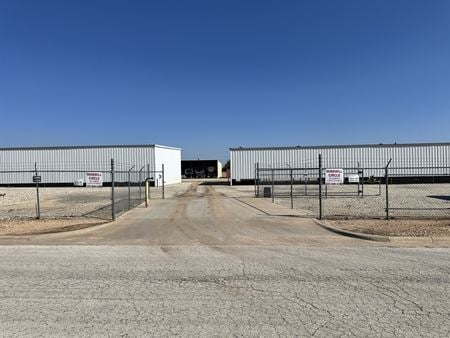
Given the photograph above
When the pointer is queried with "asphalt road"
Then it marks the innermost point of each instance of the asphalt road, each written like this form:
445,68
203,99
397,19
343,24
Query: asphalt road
199,278
224,290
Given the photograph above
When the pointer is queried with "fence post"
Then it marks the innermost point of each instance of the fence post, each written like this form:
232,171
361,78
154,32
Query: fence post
113,211
359,179
147,192
129,187
273,187
256,195
163,182
140,182
386,179
148,178
306,183
320,186
140,186
292,191
362,183
257,179
129,190
38,204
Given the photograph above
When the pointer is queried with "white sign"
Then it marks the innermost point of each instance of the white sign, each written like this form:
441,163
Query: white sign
94,179
334,176
353,178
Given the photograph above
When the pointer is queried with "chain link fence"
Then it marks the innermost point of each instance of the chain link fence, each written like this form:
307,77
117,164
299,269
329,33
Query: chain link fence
294,187
419,192
372,192
102,192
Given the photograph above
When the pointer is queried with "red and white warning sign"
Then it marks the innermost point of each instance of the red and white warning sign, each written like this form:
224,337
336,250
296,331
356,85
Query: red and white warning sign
94,179
334,176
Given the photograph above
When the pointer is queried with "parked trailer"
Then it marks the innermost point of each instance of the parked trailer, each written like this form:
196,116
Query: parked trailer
68,164
408,160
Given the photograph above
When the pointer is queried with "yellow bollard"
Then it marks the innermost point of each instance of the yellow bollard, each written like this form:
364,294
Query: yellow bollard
146,193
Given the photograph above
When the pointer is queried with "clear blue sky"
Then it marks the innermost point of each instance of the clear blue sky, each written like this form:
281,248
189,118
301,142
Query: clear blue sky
208,75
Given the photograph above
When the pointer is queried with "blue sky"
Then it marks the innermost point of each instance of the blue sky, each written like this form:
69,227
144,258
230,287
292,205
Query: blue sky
209,75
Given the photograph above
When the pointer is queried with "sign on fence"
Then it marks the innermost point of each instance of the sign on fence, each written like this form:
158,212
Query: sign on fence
353,178
36,179
334,176
94,179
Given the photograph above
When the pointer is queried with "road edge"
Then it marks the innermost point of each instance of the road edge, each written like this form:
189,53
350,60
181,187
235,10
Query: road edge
352,234
380,238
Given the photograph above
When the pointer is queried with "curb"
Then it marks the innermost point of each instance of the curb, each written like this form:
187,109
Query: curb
352,234
379,238
61,232
420,240
64,229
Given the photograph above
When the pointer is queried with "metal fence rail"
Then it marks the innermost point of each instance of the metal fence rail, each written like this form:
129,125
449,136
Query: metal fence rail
415,192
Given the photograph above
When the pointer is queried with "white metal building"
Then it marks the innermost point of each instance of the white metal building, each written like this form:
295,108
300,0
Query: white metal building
66,164
405,157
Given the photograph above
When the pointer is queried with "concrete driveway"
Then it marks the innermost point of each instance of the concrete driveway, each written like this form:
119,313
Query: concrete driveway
201,216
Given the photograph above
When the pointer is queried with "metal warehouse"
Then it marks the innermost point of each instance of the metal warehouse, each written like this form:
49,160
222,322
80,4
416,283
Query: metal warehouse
407,159
64,165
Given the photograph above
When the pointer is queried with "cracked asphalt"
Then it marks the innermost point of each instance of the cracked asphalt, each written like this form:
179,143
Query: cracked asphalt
316,284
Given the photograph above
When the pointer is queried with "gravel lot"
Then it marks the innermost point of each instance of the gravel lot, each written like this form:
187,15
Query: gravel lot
405,200
395,227
55,202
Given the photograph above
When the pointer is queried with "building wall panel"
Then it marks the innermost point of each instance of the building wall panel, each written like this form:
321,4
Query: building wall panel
66,164
171,158
371,157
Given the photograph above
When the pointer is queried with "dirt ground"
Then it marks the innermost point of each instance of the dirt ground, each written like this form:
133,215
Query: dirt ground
395,227
66,208
25,226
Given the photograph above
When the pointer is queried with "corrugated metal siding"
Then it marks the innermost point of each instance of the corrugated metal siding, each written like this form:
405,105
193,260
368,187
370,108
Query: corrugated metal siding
76,159
243,161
